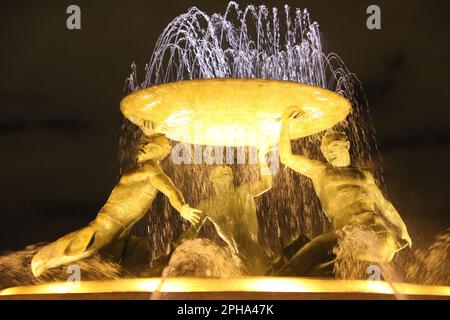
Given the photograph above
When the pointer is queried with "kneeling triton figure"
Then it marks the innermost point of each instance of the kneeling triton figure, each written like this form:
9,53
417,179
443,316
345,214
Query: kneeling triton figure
349,196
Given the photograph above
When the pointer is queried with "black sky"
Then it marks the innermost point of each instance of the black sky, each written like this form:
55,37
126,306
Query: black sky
60,92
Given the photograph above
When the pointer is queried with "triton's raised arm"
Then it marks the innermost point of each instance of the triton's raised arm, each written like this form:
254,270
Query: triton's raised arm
264,184
298,163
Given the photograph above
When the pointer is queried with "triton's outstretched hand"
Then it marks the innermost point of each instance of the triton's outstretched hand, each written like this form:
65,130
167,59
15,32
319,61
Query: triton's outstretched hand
405,236
292,113
190,214
401,229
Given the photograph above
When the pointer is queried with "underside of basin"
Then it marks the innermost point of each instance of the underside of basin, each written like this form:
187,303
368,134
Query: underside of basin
233,112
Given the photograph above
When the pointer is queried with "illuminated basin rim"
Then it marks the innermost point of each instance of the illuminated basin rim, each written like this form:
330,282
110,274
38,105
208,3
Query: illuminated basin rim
246,284
233,112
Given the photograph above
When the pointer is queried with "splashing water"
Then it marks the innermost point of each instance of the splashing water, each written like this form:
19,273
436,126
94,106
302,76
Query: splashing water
351,242
201,258
15,269
256,42
431,265
426,265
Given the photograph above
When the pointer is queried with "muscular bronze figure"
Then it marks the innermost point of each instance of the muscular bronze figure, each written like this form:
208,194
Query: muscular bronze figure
129,201
232,210
349,196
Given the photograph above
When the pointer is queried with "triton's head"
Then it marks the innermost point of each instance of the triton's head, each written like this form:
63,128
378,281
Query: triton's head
221,176
335,147
156,148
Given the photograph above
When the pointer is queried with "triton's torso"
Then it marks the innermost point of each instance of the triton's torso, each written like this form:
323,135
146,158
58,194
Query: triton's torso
134,193
234,213
343,193
234,216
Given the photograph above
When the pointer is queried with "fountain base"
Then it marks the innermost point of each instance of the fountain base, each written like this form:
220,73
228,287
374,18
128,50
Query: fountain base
248,288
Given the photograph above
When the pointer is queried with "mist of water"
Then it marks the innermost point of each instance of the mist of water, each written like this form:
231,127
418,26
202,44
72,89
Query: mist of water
15,269
423,265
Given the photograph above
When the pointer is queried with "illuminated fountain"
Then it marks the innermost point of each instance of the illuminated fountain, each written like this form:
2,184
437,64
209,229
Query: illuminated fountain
227,83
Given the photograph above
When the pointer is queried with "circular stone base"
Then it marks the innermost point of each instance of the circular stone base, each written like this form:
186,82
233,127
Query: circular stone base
260,288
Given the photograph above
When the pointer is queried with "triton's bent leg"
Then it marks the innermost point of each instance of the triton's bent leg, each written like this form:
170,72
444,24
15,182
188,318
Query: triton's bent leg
314,253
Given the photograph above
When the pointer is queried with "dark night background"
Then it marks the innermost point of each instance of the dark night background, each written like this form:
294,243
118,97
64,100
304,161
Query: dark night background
60,93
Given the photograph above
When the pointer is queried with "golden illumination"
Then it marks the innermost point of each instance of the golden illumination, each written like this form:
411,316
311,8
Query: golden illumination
247,284
233,112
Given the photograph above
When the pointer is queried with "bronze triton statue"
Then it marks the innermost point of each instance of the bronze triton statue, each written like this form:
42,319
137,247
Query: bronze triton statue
349,196
129,201
232,210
